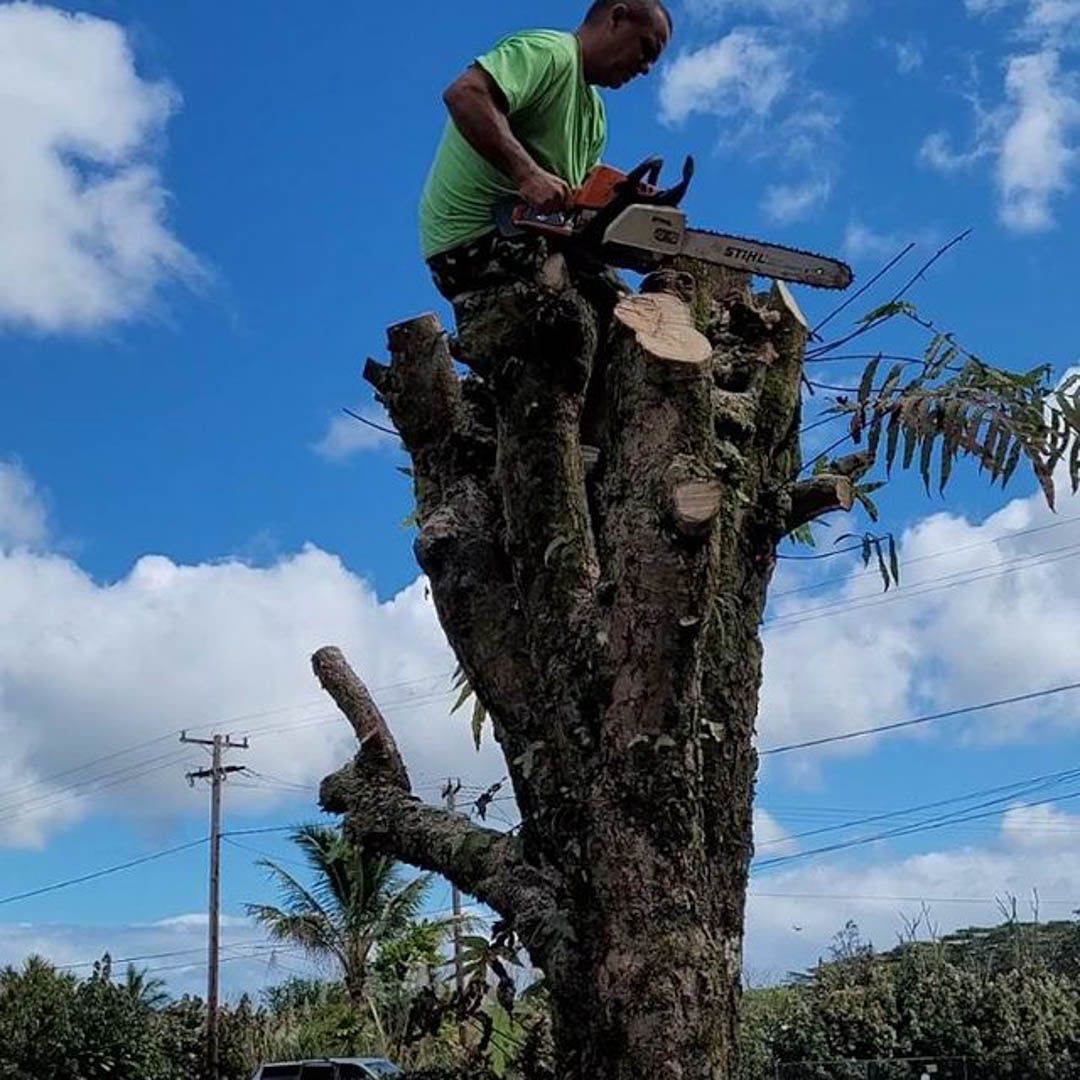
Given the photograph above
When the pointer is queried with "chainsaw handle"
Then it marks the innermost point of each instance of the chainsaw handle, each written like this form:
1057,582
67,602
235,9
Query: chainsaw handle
648,172
674,195
647,175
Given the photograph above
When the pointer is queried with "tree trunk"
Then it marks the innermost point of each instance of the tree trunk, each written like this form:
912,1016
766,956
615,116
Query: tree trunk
609,624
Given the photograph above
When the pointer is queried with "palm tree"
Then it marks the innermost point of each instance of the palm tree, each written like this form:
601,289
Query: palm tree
144,989
357,902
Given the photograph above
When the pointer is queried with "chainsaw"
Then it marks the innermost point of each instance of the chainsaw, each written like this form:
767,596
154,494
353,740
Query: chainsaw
626,220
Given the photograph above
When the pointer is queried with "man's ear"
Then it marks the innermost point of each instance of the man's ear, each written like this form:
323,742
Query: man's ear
618,14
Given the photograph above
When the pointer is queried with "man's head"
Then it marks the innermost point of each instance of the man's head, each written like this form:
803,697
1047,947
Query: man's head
621,39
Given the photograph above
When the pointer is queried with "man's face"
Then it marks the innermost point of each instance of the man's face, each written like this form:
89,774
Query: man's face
628,45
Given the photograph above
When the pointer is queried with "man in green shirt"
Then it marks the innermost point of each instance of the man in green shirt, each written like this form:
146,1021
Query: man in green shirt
526,121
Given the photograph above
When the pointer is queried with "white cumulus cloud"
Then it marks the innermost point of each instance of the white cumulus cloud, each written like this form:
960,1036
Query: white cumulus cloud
1048,21
92,668
1031,133
23,518
83,208
346,436
1029,854
744,73
1037,155
985,610
784,203
748,80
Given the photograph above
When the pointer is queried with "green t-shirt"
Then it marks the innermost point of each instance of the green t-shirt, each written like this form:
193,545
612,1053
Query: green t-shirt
554,113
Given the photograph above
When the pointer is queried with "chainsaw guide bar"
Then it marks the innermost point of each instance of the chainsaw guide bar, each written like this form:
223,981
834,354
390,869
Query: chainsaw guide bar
624,220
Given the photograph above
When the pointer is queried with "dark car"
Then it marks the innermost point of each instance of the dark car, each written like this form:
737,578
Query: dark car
330,1069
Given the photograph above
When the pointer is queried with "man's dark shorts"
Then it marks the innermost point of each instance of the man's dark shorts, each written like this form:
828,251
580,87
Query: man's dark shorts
494,259
488,261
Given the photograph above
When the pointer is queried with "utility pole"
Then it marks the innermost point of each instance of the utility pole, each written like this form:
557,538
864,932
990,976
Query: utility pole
450,795
216,775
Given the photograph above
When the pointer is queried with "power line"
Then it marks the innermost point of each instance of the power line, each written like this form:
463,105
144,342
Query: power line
198,965
7,808
93,786
929,825
794,618
1004,791
259,832
952,713
391,709
893,899
79,768
951,581
409,700
1026,561
253,945
940,554
266,855
949,714
173,733
94,875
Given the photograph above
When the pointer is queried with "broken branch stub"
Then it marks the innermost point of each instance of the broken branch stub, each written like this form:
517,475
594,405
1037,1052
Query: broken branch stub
378,750
696,504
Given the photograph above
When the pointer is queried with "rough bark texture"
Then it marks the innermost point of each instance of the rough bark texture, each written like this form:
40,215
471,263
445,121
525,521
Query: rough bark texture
610,626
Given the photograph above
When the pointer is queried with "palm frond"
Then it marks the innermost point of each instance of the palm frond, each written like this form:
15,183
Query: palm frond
403,906
307,931
319,844
299,900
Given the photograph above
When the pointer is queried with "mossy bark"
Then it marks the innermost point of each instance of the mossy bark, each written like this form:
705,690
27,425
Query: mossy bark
609,624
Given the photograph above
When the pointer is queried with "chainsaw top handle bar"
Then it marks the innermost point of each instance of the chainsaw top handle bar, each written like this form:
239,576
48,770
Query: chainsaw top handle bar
639,188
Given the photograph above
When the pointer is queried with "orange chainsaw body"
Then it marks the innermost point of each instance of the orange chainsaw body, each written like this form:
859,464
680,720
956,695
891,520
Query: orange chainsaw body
602,186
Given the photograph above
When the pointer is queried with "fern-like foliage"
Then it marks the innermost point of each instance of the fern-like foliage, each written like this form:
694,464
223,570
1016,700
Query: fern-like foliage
479,713
958,405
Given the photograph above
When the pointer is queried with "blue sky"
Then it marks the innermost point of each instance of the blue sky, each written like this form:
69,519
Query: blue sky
210,212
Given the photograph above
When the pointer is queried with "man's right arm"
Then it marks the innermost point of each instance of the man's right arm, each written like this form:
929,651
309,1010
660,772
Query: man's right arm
478,109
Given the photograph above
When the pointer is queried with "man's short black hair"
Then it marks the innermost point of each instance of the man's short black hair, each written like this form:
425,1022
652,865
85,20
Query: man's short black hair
638,7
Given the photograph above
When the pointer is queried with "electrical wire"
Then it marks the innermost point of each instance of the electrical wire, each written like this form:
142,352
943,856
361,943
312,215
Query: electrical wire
105,872
949,581
93,787
930,825
132,771
918,721
219,724
873,898
1005,791
225,947
945,552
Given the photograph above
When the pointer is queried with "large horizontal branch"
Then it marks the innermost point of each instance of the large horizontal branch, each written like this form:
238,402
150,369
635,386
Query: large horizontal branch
383,814
828,491
482,862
